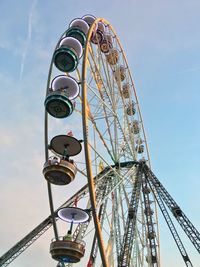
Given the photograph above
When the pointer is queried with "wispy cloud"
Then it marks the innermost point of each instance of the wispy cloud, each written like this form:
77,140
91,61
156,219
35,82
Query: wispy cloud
28,39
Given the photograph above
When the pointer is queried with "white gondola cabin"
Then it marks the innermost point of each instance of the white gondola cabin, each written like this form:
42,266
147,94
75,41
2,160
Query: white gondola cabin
66,56
59,101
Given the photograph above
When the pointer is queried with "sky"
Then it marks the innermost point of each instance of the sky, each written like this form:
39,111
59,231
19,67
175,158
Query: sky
162,42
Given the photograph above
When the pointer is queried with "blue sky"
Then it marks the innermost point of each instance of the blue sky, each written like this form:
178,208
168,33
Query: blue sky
162,42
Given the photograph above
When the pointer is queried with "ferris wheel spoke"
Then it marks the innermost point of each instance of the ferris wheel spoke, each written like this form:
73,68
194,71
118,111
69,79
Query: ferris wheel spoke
108,125
110,140
100,103
110,103
99,98
108,79
112,190
107,129
105,145
121,206
82,172
96,69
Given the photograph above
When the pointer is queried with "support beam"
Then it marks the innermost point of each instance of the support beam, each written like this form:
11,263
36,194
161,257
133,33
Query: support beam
162,195
130,228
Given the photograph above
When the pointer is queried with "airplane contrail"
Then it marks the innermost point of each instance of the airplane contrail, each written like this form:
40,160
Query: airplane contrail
28,39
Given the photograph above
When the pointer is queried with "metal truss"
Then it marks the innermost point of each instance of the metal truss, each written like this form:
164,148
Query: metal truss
182,219
102,191
130,228
171,226
29,239
152,257
116,220
106,184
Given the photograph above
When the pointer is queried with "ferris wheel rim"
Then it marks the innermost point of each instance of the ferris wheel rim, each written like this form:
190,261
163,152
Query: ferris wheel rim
85,128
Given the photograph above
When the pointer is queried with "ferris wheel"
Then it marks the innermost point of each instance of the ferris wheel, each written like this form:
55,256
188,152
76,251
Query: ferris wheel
113,137
112,220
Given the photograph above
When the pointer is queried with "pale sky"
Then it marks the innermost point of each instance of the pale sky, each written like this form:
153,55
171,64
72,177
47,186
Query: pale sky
162,42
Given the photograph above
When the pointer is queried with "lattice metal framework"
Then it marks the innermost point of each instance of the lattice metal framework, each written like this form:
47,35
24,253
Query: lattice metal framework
152,256
127,243
161,196
179,215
